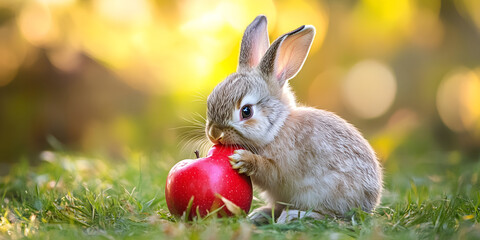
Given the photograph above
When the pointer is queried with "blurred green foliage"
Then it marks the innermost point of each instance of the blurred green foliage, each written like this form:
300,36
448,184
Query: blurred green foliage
113,76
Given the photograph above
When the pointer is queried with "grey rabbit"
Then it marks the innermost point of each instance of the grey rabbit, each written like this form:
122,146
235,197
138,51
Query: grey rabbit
306,161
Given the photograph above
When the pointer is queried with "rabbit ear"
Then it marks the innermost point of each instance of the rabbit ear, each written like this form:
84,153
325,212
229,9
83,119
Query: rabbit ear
254,44
287,54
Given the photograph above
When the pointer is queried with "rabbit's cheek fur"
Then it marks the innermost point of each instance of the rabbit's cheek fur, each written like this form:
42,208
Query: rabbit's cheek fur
230,137
263,127
251,123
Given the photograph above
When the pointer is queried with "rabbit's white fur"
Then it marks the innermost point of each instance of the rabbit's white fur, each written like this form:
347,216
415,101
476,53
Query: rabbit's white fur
309,158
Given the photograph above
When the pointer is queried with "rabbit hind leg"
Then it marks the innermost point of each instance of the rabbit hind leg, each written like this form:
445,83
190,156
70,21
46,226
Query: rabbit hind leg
264,215
288,216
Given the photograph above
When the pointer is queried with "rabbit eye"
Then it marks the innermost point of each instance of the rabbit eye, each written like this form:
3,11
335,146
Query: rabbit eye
246,112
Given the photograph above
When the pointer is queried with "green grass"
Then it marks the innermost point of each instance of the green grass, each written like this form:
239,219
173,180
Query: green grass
428,195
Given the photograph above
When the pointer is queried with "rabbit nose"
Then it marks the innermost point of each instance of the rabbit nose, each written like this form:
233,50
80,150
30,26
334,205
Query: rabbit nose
215,134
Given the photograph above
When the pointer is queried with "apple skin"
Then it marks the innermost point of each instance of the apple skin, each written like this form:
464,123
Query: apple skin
204,179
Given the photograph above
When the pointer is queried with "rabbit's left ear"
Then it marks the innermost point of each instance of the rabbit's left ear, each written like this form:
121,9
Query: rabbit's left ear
254,44
286,56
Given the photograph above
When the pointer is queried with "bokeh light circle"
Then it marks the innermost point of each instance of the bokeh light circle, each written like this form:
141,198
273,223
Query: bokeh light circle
369,89
458,100
35,23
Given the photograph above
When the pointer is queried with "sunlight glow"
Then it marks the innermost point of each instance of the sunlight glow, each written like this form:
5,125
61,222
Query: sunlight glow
191,46
385,21
35,22
12,53
57,2
234,13
458,100
65,58
369,89
292,14
124,11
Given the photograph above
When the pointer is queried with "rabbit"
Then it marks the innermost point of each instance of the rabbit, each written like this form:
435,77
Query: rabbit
306,162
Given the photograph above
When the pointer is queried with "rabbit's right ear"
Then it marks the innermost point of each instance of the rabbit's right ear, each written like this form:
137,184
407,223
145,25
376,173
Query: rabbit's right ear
286,56
255,43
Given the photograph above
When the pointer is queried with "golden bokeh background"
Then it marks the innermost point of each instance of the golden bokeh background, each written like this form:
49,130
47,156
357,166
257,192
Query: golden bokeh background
115,75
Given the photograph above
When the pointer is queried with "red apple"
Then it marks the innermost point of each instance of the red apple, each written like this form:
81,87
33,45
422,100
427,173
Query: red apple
211,181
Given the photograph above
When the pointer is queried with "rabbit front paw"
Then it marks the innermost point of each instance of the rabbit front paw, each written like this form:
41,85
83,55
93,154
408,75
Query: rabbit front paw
243,161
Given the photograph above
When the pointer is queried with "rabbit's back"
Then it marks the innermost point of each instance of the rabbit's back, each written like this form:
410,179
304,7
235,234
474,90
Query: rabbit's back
323,164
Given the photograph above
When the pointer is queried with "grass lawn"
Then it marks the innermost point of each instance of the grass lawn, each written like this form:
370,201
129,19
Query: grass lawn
429,194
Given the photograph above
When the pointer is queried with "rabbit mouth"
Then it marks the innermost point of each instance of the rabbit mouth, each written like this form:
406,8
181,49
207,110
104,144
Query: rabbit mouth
228,141
229,137
225,140
234,145
244,145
